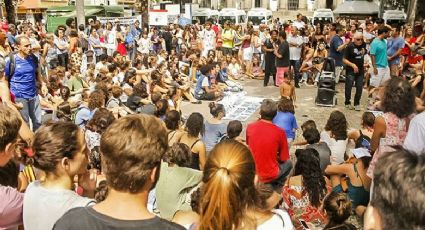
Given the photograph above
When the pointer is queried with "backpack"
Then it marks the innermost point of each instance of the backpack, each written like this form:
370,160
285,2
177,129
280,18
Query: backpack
12,66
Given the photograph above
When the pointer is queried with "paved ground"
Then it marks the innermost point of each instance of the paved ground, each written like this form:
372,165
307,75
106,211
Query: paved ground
306,109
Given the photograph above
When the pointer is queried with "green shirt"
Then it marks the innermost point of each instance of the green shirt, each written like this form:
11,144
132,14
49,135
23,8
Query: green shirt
378,48
173,188
75,84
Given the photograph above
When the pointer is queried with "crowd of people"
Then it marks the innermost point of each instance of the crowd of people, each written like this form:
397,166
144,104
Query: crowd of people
92,134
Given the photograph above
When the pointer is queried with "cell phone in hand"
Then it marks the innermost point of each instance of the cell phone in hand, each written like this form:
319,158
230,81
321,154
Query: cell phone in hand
304,224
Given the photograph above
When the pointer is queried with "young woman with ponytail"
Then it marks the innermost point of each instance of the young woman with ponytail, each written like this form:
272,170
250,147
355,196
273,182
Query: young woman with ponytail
230,199
337,208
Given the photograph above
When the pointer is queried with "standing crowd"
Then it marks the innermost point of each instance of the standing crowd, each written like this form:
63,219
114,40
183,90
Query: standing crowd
91,127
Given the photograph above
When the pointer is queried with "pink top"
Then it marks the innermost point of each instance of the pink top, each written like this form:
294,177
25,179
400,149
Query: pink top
395,134
10,207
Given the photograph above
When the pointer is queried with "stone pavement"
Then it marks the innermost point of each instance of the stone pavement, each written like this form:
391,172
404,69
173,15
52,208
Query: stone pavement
305,107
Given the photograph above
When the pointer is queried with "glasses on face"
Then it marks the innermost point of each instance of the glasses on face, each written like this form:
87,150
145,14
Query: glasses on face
27,45
359,39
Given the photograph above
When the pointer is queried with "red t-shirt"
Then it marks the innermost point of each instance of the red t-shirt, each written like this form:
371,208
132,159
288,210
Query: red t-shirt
414,59
268,146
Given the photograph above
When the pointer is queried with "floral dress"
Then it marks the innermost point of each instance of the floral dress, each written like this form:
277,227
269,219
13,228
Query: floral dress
395,134
297,202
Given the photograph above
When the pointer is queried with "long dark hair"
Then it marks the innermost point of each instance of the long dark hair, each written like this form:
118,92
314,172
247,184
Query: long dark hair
308,166
337,124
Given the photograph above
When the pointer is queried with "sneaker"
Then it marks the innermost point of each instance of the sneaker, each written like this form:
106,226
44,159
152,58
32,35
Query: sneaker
350,107
357,108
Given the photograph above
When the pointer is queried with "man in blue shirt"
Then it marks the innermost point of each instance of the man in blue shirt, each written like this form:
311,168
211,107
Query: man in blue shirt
395,46
336,50
23,81
379,57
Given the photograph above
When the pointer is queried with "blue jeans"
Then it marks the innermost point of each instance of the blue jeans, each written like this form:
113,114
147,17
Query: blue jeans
296,64
31,109
284,170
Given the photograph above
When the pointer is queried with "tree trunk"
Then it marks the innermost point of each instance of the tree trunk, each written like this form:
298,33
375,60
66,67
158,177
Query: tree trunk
144,10
11,10
79,7
411,13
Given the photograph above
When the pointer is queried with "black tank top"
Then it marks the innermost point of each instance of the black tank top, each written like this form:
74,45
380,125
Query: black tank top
195,157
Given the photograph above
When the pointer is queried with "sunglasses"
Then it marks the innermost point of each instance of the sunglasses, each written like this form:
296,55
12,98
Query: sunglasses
359,39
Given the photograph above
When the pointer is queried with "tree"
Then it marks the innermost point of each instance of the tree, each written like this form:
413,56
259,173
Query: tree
144,10
411,12
10,6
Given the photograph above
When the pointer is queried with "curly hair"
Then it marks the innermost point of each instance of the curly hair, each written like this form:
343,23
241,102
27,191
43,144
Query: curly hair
179,154
337,124
286,105
308,166
195,124
140,90
338,208
96,100
399,98
101,120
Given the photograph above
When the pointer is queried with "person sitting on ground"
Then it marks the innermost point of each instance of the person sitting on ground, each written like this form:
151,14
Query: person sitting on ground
335,135
175,170
312,136
172,122
304,192
234,130
363,136
223,77
285,119
356,184
204,90
397,199
305,126
130,175
60,151
215,128
270,217
269,146
338,209
85,111
139,98
194,129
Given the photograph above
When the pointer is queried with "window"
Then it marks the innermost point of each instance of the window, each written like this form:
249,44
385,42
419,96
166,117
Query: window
257,3
293,4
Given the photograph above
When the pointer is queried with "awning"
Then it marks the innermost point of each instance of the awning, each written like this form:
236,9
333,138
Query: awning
87,12
30,5
357,7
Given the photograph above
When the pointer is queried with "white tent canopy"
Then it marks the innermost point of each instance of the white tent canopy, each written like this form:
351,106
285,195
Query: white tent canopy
357,7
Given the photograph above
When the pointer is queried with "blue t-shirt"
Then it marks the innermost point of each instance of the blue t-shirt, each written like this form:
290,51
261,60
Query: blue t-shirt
23,81
394,44
287,122
336,42
222,75
378,48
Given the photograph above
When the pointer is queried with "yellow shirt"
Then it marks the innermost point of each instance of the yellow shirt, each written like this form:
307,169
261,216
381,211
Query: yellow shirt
228,38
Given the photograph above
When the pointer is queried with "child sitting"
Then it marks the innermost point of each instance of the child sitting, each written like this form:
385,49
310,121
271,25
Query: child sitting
234,69
257,71
224,78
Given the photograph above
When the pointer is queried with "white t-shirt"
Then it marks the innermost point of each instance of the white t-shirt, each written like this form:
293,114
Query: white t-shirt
279,221
234,68
43,207
208,39
298,24
144,45
337,148
119,78
295,52
415,139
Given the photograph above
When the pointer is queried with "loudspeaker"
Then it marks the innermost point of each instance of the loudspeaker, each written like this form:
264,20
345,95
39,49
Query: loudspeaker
325,97
326,83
